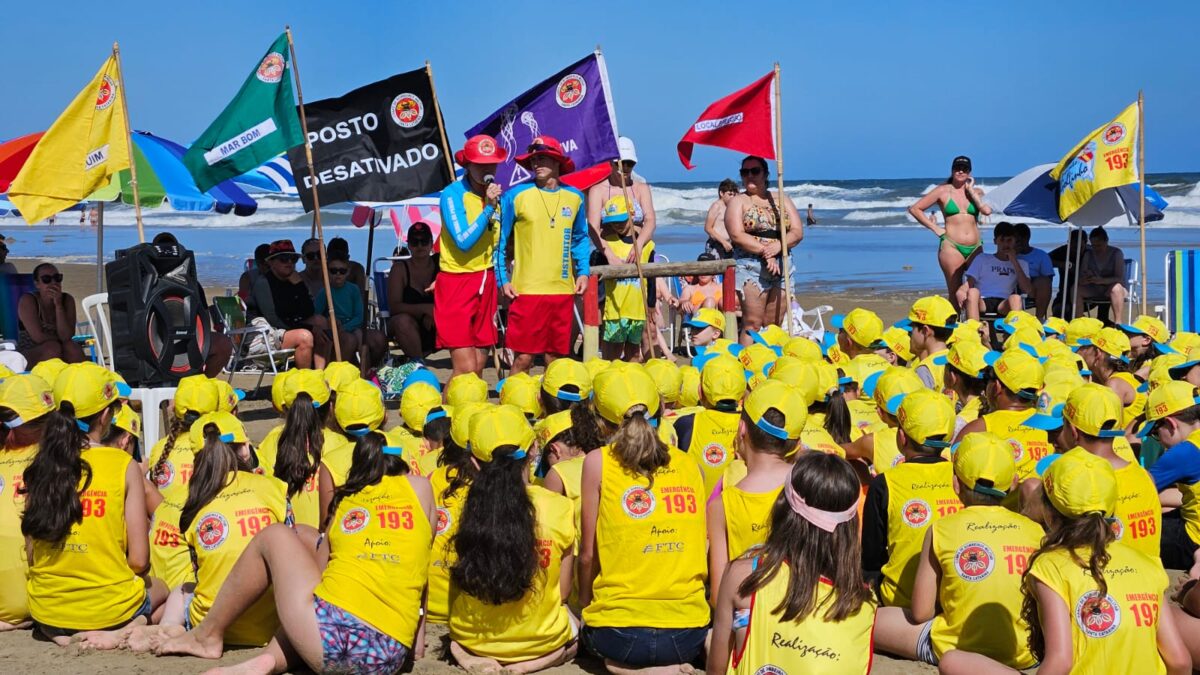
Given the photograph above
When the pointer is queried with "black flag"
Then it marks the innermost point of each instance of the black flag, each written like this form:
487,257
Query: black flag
378,143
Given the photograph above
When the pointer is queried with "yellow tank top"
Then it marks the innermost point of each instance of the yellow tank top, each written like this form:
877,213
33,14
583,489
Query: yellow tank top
84,582
173,476
886,450
1029,445
919,494
864,418
1139,513
970,410
711,444
427,464
812,645
451,258
1116,632
936,372
169,559
814,437
379,557
1133,410
538,623
1122,449
650,543
220,533
571,473
337,455
306,504
983,552
13,567
543,221
441,559
747,518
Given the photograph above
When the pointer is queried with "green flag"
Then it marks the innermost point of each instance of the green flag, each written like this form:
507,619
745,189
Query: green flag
258,124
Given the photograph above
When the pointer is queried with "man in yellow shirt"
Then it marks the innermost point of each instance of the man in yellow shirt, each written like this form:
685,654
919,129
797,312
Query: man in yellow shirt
546,223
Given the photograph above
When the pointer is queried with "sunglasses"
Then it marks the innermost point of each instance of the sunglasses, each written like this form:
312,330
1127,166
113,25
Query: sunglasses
289,259
51,278
339,270
420,242
959,169
752,171
312,255
1159,427
541,147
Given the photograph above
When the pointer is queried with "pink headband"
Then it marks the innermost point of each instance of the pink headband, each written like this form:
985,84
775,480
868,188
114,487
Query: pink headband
826,520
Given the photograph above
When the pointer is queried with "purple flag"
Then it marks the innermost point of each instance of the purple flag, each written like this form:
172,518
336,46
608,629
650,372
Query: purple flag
573,105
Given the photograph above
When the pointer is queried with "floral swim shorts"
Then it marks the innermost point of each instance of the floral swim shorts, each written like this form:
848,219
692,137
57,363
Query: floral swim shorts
350,645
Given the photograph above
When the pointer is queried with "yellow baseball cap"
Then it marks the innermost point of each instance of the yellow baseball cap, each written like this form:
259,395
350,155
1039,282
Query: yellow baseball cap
460,424
521,390
863,326
497,427
1163,401
1052,348
1111,341
1080,328
772,335
983,463
1019,318
305,381
757,359
1055,326
359,407
277,389
1021,373
1064,369
890,387
551,426
128,419
410,447
196,394
722,379
420,403
1153,328
1095,410
927,418
782,397
667,376
567,379
835,355
230,428
1079,483
1162,369
615,210
340,373
227,396
466,388
49,369
1027,339
967,357
617,390
931,310
689,386
966,331
29,396
595,366
706,317
899,341
802,348
1050,405
88,387
1183,341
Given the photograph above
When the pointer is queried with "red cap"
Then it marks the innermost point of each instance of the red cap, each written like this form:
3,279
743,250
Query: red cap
550,147
480,149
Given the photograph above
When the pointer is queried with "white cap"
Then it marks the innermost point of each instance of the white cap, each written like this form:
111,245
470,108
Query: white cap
626,149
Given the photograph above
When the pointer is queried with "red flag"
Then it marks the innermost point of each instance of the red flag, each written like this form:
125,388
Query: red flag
743,121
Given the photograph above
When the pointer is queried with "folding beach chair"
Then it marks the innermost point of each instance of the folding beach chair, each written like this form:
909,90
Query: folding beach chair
1182,313
1133,289
251,344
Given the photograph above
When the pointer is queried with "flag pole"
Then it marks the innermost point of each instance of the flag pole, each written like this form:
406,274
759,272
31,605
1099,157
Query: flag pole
337,344
133,182
1141,140
437,109
785,267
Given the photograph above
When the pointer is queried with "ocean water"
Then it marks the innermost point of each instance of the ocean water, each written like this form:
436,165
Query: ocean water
864,238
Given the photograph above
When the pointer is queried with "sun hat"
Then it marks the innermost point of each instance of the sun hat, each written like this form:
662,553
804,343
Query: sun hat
626,149
967,357
862,326
927,418
337,374
547,146
707,316
667,377
1153,328
465,388
550,426
1082,327
1165,400
931,310
359,407
230,428
782,397
1111,341
304,381
282,248
617,390
722,380
480,149
983,463
1019,372
89,388
1079,483
420,404
521,390
1095,410
27,395
460,424
227,396
497,427
567,379
196,394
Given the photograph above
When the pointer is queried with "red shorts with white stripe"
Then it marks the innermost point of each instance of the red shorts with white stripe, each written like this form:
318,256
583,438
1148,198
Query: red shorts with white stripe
540,324
464,309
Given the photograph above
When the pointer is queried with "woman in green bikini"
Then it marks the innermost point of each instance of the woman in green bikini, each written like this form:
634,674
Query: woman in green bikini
961,204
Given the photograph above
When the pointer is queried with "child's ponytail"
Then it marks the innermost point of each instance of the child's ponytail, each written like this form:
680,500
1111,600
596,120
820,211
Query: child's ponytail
52,479
637,446
300,443
214,469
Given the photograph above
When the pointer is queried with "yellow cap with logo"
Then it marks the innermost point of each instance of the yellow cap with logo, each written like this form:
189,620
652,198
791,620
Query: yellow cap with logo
1167,399
1063,369
1082,327
460,424
618,390
359,408
784,398
567,379
1018,319
229,428
967,357
227,396
304,381
757,358
966,331
89,388
802,348
500,426
927,418
1111,342
1050,404
49,369
28,396
983,463
890,387
615,210
899,341
128,419
523,391
707,317
1095,410
722,380
196,394
466,388
549,427
667,376
420,403
1055,326
338,374
1160,370
862,326
1151,327
1019,372
689,386
1183,341
771,336
1078,483
931,310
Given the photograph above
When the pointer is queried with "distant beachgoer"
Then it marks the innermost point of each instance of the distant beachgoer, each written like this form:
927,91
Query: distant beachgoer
1041,269
1102,275
411,295
809,217
314,281
753,220
93,216
257,268
47,319
714,222
1063,258
358,274
51,220
546,224
5,266
996,281
281,298
958,241
639,192
705,292
355,338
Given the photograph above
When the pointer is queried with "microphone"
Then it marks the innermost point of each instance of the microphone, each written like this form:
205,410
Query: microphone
488,179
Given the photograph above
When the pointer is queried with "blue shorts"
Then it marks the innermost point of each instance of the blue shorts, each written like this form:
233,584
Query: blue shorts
646,647
53,631
348,644
754,270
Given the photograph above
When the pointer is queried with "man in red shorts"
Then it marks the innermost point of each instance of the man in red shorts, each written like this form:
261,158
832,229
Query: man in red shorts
464,298
547,225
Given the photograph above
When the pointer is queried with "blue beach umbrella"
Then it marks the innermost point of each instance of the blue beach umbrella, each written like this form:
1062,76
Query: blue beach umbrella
178,189
1034,194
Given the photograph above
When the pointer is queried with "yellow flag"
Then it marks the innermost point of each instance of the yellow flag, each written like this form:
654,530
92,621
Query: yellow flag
1106,158
79,153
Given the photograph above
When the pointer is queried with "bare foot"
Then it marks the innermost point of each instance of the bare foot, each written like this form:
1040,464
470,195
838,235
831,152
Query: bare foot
105,639
5,626
472,663
263,664
147,638
189,644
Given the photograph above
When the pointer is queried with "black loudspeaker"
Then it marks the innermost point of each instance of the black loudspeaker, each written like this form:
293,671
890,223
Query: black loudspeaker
160,324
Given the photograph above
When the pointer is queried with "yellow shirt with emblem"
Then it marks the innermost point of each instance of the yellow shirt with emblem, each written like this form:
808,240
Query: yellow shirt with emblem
537,623
169,558
13,566
651,547
547,228
84,581
379,557
747,518
453,259
811,645
886,450
919,494
711,443
983,552
175,472
442,557
1139,512
1116,632
1028,445
624,298
219,534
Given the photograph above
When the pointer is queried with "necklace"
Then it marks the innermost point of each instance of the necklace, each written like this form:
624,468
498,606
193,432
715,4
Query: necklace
551,214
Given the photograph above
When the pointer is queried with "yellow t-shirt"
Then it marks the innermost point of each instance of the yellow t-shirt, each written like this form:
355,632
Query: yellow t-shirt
711,442
747,518
379,557
814,436
1189,509
413,447
650,544
427,464
624,298
548,228
886,450
169,558
538,623
1117,632
812,645
983,552
1029,445
864,417
461,208
173,476
919,494
13,566
337,456
220,533
441,559
84,582
1139,512
570,471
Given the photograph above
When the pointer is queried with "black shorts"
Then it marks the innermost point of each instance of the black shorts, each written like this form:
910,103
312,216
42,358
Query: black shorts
1176,548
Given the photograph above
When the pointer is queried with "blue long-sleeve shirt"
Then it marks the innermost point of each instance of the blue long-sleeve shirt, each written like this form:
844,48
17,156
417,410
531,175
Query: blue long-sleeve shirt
550,235
1180,464
456,221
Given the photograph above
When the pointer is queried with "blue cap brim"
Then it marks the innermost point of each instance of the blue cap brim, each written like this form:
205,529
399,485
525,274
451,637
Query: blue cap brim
695,323
1165,349
421,375
1045,462
240,394
1044,422
905,324
837,320
941,359
1130,329
1005,326
892,405
1143,387
992,357
1144,430
868,385
828,341
123,390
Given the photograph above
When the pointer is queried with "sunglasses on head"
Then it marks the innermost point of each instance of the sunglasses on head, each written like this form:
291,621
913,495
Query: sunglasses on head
339,270
51,278
752,171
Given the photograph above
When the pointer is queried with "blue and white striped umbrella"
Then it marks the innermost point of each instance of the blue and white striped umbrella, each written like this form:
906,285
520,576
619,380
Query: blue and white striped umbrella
1034,194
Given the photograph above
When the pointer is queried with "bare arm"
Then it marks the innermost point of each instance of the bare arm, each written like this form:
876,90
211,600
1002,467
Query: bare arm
1171,646
795,232
595,208
917,211
925,588
718,549
566,573
589,565
153,496
716,213
728,600
1056,629
553,482
137,526
64,316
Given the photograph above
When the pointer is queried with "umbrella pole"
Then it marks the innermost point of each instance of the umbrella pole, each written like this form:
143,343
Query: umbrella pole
100,247
1062,312
133,181
1141,140
320,232
1078,260
785,267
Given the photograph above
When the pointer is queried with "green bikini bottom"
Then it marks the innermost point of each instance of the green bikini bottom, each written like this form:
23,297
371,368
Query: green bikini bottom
966,251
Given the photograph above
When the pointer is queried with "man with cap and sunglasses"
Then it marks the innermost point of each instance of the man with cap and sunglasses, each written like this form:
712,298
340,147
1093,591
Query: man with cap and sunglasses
464,299
546,224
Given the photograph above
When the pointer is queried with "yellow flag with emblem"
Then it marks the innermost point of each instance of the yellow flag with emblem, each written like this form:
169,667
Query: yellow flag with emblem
79,153
1106,158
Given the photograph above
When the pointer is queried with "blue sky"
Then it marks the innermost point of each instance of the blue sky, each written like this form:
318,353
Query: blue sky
870,89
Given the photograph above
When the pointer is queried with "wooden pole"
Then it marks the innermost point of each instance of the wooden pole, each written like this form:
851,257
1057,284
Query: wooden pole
785,266
133,182
337,343
1141,151
637,249
99,246
437,109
